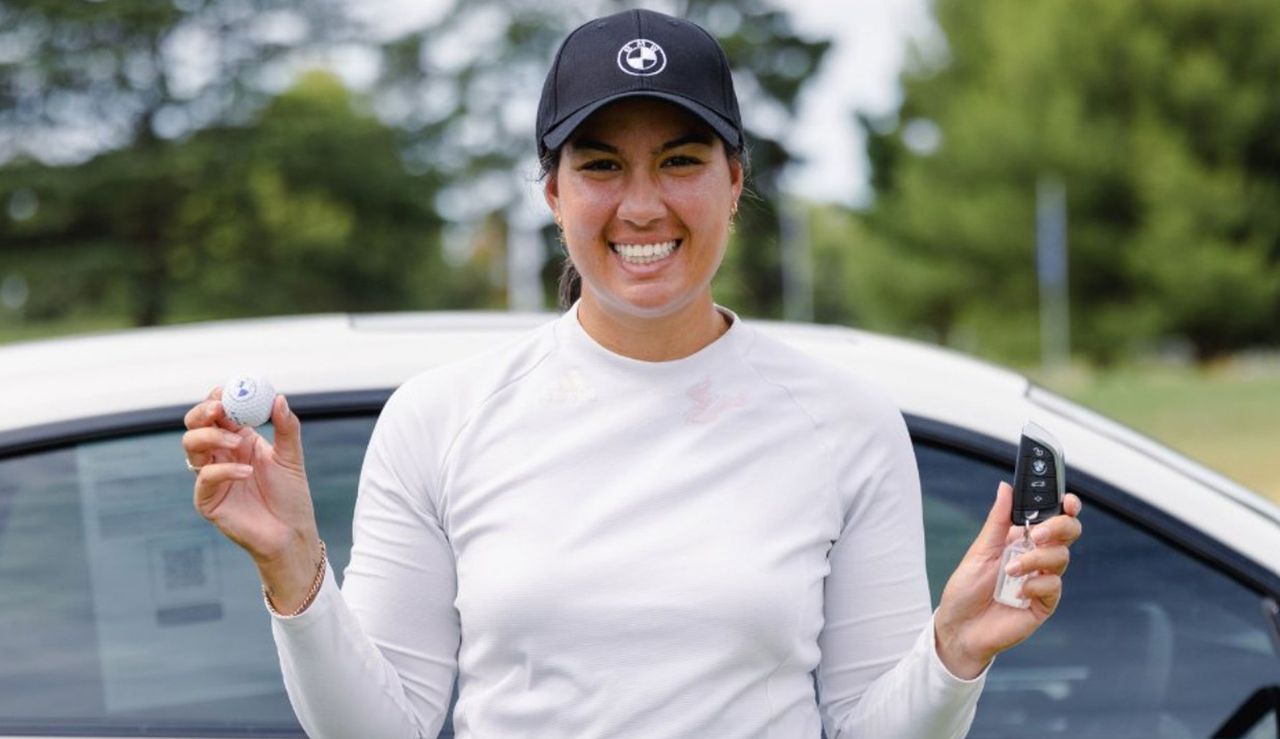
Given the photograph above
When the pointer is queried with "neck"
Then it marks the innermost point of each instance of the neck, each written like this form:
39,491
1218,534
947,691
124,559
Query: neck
656,339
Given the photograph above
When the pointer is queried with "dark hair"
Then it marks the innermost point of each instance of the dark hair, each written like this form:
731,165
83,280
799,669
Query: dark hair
570,284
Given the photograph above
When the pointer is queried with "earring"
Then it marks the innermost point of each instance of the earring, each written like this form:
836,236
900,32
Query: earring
560,232
733,210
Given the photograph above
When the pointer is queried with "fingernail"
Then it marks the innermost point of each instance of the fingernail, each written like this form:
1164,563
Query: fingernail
242,471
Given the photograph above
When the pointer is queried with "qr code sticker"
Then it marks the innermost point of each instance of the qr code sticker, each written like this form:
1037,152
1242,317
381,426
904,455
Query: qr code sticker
183,567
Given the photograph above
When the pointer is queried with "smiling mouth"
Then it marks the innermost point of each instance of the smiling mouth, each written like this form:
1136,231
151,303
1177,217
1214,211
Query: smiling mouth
645,253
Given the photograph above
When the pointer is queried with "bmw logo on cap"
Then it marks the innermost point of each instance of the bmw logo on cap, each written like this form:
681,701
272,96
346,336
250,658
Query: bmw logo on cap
642,58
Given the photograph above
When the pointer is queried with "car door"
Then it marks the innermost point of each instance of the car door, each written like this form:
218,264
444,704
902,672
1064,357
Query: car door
122,613
1161,633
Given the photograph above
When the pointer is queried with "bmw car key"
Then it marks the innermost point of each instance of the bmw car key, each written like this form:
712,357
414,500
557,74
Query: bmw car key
1039,477
1039,484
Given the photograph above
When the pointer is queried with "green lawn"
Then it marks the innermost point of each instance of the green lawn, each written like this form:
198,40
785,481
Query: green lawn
1227,416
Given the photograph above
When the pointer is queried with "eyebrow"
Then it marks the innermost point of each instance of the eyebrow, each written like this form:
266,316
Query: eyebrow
697,137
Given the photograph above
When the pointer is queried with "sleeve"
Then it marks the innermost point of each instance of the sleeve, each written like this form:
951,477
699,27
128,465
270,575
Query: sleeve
378,658
879,674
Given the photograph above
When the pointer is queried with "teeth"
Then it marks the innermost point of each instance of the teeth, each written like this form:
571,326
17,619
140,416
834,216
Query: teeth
645,253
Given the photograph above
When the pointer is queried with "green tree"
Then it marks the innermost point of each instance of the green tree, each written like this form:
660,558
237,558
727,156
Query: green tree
78,78
310,209
1161,119
84,78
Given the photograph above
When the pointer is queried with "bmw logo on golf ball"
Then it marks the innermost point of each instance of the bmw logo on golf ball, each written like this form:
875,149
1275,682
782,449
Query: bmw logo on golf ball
248,398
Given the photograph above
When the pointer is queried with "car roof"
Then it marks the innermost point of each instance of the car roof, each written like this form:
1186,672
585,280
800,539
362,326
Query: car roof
56,380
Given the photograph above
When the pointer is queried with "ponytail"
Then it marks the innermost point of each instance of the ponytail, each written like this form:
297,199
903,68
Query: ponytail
570,284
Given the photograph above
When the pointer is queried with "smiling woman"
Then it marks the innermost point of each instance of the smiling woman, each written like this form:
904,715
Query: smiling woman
644,191
643,519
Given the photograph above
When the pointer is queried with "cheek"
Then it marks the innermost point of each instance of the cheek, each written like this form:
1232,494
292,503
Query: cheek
705,198
703,208
586,211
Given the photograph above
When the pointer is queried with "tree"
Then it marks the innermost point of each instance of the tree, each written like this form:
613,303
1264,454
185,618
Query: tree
308,210
80,78
133,75
1160,118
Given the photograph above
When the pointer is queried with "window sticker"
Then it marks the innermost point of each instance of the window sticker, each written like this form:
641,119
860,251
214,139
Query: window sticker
177,609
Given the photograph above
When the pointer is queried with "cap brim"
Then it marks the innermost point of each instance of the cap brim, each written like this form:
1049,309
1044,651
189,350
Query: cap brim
560,132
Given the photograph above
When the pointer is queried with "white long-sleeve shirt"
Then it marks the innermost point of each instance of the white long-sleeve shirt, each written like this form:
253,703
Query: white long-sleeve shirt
597,546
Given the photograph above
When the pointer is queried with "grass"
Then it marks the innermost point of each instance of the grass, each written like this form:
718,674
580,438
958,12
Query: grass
1226,416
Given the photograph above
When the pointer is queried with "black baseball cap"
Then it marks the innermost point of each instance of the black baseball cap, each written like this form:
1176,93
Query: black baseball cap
637,53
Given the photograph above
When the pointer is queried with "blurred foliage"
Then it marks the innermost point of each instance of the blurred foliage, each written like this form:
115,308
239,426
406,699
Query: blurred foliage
174,160
1161,117
165,160
309,210
77,78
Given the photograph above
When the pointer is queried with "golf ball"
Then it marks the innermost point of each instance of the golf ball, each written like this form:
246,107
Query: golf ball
247,399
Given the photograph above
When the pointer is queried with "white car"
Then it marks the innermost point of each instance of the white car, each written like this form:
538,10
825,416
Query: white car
123,613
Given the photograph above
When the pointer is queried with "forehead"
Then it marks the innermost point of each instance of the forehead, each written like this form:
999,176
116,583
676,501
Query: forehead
640,116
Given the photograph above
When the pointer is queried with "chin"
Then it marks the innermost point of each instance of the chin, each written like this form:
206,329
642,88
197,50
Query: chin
647,302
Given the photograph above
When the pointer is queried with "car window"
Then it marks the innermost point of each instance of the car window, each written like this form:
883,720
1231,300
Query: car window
123,612
1148,641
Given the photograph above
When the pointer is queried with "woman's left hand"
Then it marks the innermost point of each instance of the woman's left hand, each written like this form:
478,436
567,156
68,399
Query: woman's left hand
970,626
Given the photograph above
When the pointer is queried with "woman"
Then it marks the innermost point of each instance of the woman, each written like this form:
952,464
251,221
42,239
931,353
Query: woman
643,519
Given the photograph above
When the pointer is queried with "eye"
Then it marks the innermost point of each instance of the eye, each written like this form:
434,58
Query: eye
599,165
681,160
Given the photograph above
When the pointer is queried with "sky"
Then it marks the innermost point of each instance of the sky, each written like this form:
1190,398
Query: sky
870,41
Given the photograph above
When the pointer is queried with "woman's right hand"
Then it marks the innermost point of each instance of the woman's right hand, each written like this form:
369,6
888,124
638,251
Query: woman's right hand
256,493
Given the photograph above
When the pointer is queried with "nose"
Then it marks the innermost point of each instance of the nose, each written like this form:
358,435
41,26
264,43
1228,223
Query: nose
642,202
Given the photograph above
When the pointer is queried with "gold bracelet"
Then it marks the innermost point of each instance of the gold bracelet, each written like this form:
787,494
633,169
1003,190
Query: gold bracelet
311,594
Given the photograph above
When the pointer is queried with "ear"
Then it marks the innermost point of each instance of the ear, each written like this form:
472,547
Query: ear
551,191
735,178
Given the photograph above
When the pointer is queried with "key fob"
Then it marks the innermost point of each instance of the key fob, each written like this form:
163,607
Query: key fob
1039,477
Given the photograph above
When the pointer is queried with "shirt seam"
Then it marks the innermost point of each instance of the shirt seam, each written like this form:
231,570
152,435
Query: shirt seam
832,487
475,412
